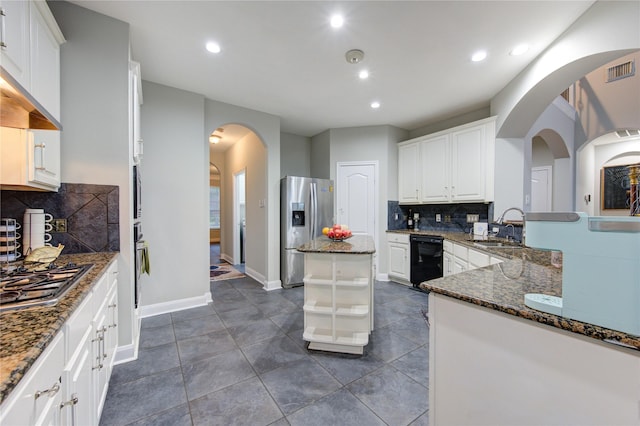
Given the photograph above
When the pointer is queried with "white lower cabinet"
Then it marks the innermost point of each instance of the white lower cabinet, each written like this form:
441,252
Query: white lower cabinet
36,399
338,301
92,342
399,260
459,258
68,383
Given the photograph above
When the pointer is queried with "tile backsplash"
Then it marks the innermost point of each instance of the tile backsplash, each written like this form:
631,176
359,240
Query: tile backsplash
453,217
91,211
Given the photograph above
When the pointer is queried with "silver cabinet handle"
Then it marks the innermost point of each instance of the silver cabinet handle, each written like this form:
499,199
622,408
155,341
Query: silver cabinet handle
2,26
72,401
50,392
42,146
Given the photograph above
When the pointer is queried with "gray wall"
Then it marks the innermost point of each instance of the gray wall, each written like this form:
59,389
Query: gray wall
95,120
175,209
372,143
320,160
295,155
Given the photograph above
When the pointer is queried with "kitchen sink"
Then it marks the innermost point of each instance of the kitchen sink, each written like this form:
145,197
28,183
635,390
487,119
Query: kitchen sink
496,244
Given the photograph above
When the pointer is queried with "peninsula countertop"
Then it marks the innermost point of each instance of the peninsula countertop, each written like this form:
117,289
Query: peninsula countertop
502,287
25,334
357,244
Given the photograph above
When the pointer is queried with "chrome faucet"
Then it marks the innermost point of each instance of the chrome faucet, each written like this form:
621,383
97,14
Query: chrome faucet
513,232
501,217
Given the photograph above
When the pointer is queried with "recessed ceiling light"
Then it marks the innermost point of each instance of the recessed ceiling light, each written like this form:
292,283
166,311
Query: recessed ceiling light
213,47
337,21
479,56
375,105
519,49
364,74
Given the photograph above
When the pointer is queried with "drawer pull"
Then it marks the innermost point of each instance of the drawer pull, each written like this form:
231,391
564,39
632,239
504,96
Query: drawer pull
51,391
72,401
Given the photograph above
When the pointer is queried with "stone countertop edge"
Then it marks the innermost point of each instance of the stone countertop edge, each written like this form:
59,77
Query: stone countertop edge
26,333
531,272
357,244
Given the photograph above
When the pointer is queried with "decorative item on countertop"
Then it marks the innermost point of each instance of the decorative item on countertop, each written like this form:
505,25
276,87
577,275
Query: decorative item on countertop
43,256
9,244
36,227
410,220
337,232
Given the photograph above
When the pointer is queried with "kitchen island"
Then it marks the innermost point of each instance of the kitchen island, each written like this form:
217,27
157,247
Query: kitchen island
493,360
338,293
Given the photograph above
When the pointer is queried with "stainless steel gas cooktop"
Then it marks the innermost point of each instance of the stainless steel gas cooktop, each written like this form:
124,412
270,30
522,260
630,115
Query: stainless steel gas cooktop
25,287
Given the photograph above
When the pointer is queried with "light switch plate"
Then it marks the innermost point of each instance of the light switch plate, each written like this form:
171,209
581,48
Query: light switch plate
473,218
438,217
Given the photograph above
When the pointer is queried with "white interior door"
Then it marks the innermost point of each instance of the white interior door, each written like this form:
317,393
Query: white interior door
541,189
356,196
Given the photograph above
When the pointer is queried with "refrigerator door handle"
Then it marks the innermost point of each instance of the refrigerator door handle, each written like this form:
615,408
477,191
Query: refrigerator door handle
314,210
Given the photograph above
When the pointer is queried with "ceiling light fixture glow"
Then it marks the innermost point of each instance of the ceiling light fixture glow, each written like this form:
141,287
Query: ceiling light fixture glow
337,21
479,56
214,139
213,47
375,105
364,74
519,50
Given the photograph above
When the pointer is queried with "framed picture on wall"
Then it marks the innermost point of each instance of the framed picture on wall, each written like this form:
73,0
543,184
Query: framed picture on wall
614,187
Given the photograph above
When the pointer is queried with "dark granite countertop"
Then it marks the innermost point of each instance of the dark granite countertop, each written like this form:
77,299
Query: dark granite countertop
358,244
502,287
25,334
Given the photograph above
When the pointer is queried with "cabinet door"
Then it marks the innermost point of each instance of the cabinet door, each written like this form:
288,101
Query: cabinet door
45,62
399,260
78,407
111,335
100,361
459,265
447,264
409,170
14,53
44,157
36,397
435,161
468,162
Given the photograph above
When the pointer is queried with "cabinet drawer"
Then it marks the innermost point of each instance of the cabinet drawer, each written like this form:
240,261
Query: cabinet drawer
100,293
22,406
478,259
397,238
460,251
77,324
447,246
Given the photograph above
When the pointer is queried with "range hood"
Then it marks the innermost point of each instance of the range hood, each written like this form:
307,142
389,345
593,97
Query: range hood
19,109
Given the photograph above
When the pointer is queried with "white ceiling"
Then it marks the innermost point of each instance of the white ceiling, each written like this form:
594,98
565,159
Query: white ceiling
283,58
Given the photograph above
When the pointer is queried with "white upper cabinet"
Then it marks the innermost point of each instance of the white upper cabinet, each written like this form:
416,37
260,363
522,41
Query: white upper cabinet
44,41
454,166
14,50
409,173
435,159
135,95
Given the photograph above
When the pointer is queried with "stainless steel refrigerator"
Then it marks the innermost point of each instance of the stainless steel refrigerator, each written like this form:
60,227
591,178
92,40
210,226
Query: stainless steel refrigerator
306,206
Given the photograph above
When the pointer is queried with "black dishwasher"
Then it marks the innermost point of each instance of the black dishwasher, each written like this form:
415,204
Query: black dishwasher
426,258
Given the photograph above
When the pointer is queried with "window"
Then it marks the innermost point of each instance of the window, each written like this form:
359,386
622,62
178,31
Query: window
214,207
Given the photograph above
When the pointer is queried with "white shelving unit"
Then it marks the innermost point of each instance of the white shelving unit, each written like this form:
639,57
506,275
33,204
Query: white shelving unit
338,301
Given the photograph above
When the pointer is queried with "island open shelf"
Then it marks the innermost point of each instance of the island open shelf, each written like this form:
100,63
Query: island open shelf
338,294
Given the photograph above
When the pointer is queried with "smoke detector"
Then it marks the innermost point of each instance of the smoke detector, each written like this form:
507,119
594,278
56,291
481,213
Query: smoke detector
354,56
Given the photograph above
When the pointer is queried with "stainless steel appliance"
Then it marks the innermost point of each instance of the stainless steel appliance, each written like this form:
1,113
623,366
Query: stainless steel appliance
306,206
426,258
137,193
139,247
24,287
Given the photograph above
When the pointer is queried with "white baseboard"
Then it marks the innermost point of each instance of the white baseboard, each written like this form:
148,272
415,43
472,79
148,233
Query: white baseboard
126,353
175,305
226,258
382,277
273,285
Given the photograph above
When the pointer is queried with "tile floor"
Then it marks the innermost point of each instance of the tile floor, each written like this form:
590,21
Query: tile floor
241,361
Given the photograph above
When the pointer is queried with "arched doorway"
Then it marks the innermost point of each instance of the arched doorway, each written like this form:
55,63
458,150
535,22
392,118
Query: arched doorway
241,157
551,181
